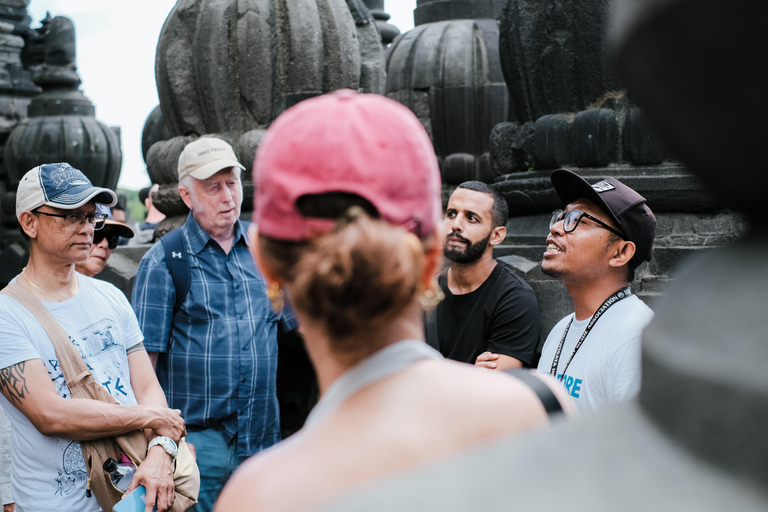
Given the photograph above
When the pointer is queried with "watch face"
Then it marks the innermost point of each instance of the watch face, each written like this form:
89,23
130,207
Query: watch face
168,444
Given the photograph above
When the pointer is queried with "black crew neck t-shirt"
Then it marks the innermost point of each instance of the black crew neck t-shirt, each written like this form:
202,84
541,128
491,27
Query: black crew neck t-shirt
501,316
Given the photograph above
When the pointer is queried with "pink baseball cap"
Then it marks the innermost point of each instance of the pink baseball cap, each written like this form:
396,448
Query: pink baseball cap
362,144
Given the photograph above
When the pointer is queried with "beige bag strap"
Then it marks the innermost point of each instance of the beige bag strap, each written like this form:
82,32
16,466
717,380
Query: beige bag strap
80,382
72,366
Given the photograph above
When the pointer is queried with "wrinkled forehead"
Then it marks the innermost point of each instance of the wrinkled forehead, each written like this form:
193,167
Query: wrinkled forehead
472,200
223,175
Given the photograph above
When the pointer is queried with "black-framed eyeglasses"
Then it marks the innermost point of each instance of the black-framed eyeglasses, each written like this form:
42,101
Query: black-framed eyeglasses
572,218
112,238
77,220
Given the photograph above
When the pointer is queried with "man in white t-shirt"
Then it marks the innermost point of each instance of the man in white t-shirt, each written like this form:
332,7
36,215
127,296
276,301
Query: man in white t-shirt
56,208
593,248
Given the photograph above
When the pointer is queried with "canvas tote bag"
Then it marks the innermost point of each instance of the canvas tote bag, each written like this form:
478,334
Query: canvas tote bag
134,444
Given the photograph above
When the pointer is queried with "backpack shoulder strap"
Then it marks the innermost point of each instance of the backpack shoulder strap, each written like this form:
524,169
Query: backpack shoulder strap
178,265
546,396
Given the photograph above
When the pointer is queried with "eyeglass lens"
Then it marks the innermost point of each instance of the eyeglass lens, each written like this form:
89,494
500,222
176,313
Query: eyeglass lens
97,220
571,219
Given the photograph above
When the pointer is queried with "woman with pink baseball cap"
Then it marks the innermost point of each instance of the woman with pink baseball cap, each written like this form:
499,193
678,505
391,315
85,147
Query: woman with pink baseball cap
348,211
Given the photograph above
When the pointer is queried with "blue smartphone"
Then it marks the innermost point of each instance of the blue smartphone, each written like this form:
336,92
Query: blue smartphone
136,501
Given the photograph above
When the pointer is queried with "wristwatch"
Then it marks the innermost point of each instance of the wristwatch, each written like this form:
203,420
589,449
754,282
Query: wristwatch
168,444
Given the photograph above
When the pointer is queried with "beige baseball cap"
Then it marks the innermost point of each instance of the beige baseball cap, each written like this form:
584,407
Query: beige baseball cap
205,157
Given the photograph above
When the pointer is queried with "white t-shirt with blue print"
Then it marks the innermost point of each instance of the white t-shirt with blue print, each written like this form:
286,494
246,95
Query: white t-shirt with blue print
49,473
606,369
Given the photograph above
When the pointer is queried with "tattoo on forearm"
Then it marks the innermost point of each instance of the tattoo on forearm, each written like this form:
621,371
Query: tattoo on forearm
136,348
13,384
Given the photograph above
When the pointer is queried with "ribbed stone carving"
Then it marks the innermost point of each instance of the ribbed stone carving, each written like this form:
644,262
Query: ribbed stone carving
62,126
235,65
554,55
155,130
448,73
429,11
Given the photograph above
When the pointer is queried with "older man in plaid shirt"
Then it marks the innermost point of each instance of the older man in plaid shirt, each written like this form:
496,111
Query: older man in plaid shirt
216,356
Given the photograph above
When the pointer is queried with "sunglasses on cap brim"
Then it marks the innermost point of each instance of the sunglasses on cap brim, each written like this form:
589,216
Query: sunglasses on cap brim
112,238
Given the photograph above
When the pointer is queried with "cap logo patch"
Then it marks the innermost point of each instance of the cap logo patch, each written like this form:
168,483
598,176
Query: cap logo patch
603,186
68,176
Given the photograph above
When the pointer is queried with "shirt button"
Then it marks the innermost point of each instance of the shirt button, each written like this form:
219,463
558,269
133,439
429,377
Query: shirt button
243,381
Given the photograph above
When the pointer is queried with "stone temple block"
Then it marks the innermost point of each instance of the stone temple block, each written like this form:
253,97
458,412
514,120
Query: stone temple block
228,68
447,70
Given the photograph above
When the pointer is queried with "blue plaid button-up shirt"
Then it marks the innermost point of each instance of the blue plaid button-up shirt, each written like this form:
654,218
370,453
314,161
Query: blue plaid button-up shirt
218,354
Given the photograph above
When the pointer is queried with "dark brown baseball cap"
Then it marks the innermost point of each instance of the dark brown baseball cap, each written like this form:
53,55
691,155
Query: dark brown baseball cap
626,207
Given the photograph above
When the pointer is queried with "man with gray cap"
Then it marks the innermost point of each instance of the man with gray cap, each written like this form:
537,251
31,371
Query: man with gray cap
214,342
593,248
56,209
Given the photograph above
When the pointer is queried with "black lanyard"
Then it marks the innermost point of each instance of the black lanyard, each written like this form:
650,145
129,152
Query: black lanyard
610,301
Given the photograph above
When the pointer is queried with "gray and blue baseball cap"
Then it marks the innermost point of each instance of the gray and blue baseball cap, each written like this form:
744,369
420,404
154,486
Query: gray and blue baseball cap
60,186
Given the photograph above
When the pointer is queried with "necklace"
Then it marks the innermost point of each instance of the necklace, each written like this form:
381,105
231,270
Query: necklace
75,286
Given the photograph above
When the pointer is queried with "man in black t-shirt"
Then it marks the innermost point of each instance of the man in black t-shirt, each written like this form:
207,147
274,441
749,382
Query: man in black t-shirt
488,310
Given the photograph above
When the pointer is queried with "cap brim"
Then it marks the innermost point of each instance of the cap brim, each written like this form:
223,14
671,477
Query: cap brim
206,171
121,229
570,187
78,196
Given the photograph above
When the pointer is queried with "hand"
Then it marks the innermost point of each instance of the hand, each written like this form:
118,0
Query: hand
167,422
486,360
9,507
156,475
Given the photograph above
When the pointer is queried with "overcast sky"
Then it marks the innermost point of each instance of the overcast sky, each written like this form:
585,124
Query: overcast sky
116,57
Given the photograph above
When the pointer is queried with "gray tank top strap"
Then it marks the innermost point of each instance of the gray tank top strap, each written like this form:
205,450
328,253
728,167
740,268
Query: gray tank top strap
387,361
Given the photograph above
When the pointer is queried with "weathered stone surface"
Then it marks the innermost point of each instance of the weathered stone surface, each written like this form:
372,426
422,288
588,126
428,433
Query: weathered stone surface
641,143
431,11
448,74
372,70
62,126
596,137
234,66
552,141
554,56
82,141
163,160
511,147
668,188
155,130
15,13
388,32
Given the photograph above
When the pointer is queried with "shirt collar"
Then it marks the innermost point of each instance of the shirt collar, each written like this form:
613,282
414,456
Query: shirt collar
199,238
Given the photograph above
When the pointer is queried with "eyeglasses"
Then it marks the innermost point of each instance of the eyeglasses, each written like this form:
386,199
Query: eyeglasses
572,218
77,220
112,238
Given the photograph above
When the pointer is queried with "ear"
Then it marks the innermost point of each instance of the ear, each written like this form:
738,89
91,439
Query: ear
623,252
266,271
186,196
28,223
433,257
498,234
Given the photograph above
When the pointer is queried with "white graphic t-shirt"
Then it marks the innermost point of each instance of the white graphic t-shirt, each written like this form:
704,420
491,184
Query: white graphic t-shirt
606,369
49,473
